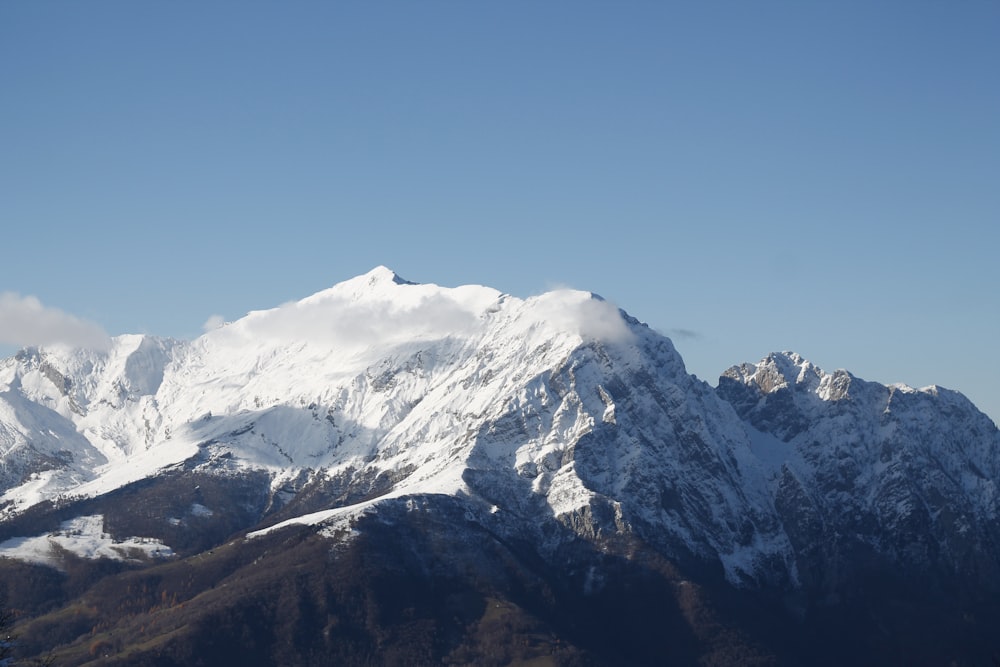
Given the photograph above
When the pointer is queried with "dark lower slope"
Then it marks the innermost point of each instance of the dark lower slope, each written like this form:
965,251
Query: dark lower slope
161,508
412,588
421,583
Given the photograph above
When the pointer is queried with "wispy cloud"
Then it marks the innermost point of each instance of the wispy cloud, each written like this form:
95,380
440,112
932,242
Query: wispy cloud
213,322
24,320
340,322
685,334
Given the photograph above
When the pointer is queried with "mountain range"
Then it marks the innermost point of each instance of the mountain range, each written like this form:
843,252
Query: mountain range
396,473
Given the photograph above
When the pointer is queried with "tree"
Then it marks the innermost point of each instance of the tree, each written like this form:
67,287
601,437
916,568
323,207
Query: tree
7,642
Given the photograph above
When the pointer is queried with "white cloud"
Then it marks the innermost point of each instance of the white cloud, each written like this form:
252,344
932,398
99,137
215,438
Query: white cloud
350,321
583,313
213,322
24,320
340,322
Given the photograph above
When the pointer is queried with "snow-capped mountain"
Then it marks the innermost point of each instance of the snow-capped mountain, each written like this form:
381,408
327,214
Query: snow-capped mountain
557,404
546,421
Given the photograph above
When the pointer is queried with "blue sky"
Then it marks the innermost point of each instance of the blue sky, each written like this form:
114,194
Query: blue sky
745,177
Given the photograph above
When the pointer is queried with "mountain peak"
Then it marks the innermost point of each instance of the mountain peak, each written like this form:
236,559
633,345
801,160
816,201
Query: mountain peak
379,281
792,371
381,275
775,371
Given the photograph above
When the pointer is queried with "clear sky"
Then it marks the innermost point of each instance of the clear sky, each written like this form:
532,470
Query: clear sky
822,177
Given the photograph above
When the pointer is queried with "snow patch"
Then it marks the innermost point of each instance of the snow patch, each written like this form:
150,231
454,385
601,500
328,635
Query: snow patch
197,509
84,537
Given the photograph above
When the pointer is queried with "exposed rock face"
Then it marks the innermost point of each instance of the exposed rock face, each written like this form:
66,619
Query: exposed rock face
903,475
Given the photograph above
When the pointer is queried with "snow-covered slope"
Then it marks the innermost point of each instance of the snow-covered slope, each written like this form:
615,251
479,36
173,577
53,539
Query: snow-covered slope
557,409
84,537
67,416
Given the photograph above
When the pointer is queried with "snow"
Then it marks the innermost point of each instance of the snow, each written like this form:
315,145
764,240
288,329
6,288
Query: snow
199,510
35,489
84,537
449,483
